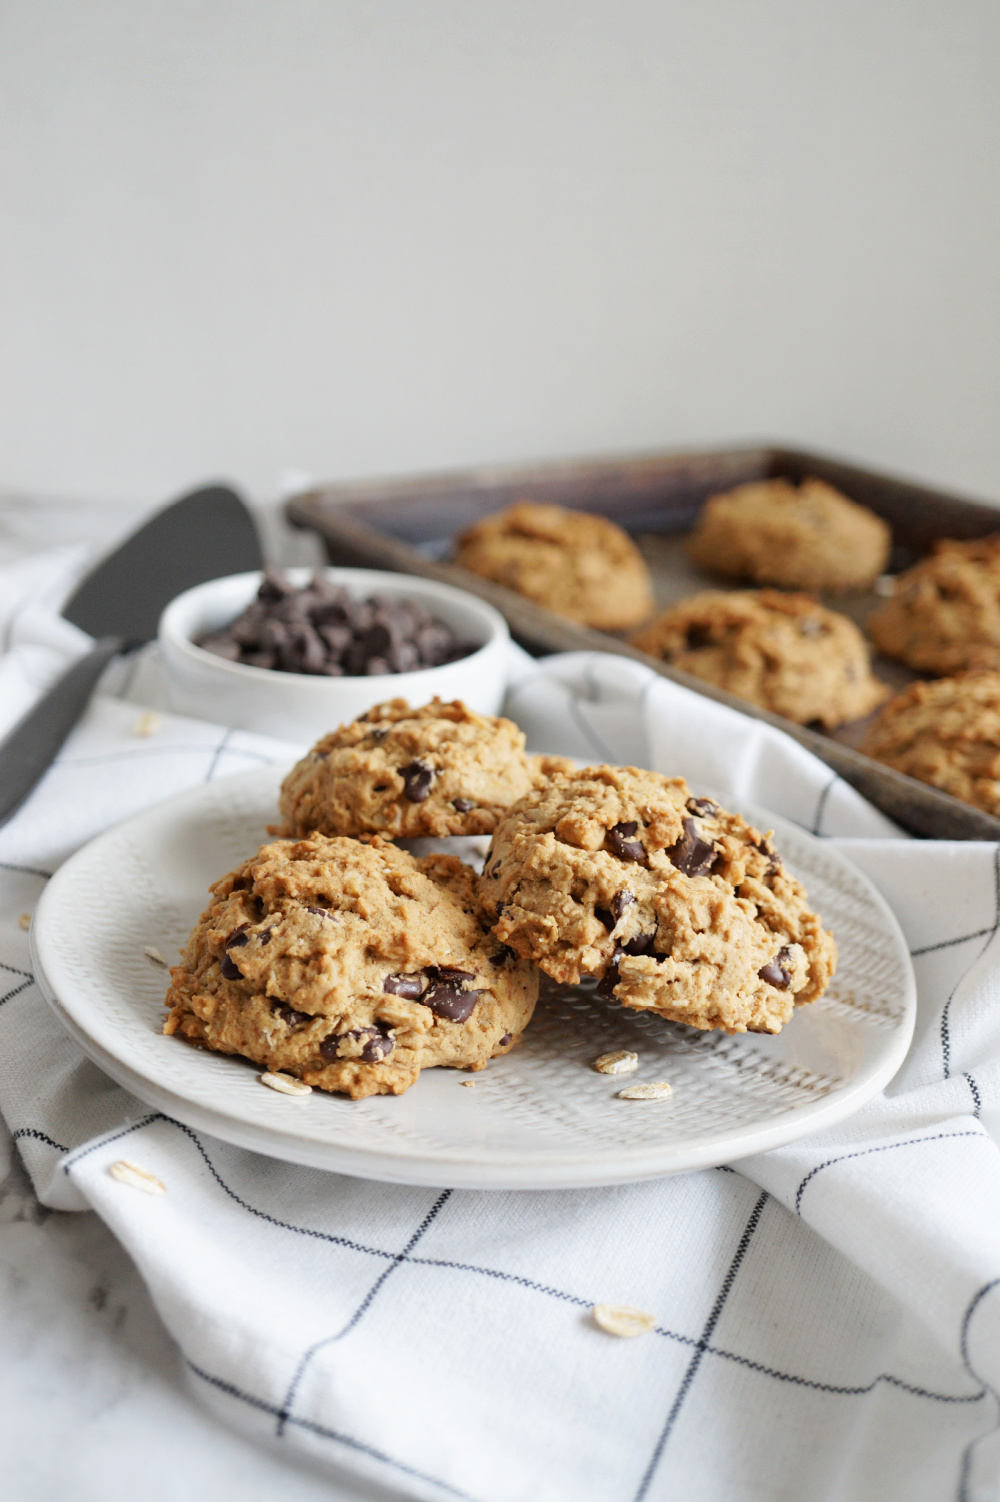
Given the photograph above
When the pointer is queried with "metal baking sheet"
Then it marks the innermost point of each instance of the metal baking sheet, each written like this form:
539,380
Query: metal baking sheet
408,525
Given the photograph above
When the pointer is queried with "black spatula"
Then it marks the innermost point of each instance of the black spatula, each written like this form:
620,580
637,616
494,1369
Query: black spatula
202,536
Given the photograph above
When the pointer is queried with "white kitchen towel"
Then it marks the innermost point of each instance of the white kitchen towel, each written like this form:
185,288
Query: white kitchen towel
828,1315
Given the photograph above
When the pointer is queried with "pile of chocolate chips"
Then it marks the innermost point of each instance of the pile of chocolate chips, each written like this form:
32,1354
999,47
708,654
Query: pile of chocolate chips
321,630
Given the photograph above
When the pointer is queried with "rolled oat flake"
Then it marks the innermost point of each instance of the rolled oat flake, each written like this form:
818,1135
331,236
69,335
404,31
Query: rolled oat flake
623,1320
286,1084
651,1090
622,1062
136,1177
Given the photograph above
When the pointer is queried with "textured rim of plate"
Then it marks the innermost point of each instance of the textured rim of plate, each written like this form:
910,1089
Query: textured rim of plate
543,1170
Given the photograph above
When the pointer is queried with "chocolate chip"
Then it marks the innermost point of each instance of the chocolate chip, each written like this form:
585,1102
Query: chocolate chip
377,1048
605,916
622,840
608,981
238,939
450,1002
321,912
275,585
265,936
504,955
377,1042
408,986
774,971
229,970
505,1040
417,780
290,1015
692,855
697,637
623,900
702,806
641,944
448,974
463,805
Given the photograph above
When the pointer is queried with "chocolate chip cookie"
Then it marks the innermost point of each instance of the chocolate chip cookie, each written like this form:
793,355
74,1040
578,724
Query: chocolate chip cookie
578,564
351,966
677,906
800,537
785,652
409,773
944,613
946,733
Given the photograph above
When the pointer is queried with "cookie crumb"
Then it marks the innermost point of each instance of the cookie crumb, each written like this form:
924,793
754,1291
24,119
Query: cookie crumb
467,1084
652,1090
24,921
136,1177
623,1320
622,1062
286,1084
154,956
149,723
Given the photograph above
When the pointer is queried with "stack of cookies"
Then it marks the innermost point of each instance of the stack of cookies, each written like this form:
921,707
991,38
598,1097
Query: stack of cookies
337,958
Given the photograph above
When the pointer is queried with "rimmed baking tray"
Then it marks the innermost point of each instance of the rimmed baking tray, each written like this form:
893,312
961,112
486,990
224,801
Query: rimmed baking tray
407,525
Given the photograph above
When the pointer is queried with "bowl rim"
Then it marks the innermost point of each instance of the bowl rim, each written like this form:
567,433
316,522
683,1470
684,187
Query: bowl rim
169,632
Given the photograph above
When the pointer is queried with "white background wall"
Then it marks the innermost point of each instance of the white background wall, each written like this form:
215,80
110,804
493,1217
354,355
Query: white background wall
361,236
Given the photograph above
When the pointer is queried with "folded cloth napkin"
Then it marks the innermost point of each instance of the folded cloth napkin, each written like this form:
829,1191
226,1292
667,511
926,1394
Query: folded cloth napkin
828,1315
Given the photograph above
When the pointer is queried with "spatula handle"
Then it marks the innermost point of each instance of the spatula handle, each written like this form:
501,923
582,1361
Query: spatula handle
33,745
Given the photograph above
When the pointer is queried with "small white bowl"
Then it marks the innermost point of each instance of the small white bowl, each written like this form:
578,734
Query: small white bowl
300,706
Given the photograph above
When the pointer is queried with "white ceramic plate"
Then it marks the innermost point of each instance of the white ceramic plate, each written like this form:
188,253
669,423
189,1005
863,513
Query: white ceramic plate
541,1118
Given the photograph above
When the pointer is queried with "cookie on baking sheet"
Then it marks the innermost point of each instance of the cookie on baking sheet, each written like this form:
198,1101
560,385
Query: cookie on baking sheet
578,564
676,905
351,966
944,613
800,537
785,652
409,773
946,733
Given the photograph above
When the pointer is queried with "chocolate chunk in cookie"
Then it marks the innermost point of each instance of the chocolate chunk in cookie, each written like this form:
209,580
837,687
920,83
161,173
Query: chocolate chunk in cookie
784,652
708,929
578,564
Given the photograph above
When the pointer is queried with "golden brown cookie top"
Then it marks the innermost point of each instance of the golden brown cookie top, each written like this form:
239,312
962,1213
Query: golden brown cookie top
576,563
944,613
675,904
785,652
807,536
946,733
323,955
407,773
